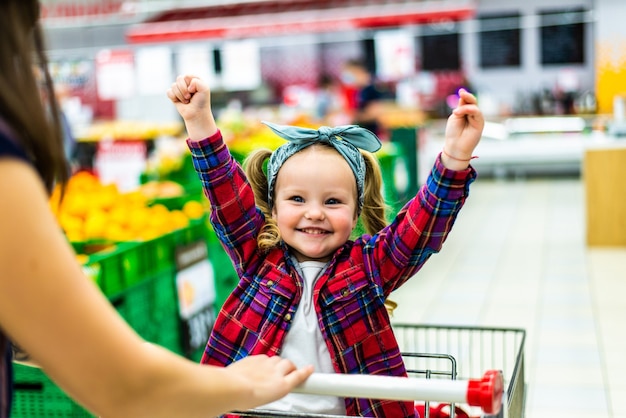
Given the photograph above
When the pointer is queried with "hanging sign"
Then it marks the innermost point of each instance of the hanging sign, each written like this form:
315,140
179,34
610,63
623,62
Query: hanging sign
115,74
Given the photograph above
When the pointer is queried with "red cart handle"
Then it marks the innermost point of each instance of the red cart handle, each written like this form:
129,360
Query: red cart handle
485,393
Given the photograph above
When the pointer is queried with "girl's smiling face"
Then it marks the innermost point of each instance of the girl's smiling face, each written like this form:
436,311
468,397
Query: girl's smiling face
315,202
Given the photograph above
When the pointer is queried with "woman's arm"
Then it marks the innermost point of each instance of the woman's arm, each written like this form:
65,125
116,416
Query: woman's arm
61,318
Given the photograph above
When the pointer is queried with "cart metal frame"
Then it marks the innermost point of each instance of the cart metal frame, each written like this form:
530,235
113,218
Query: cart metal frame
454,352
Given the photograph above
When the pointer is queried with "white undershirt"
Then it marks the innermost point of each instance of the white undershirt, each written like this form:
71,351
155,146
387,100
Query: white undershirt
305,345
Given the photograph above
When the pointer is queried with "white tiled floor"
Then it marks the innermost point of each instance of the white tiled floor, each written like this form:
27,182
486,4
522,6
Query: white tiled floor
517,257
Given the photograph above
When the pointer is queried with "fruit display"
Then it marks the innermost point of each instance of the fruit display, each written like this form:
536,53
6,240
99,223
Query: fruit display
132,130
91,211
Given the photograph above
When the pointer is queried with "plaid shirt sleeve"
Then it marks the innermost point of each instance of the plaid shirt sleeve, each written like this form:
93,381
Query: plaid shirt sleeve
234,215
420,228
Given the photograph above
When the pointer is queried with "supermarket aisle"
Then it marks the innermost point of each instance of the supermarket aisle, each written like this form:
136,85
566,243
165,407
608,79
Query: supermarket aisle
517,258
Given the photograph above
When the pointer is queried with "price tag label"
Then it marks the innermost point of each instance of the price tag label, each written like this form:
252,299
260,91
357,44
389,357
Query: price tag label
195,282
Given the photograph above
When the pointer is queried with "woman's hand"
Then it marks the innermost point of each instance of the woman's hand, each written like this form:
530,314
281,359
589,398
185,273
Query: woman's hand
192,98
463,131
270,378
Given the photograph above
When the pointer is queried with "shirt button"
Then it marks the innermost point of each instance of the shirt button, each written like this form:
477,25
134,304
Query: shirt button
345,292
288,317
270,283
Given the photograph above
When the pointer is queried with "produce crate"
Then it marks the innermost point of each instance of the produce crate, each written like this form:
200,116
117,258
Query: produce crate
406,139
35,395
393,169
115,267
139,278
151,309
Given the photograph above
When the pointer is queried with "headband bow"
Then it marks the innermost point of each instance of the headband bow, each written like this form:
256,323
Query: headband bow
345,139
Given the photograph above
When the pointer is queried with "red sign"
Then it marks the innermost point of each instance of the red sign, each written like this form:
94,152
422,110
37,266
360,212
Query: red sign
288,23
81,8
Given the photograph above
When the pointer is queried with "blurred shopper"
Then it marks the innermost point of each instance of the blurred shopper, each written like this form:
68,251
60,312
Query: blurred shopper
328,101
365,101
306,290
51,309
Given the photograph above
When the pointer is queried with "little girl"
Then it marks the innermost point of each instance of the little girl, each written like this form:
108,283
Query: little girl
306,290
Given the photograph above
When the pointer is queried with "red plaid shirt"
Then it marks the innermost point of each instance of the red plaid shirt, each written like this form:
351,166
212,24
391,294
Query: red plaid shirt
349,296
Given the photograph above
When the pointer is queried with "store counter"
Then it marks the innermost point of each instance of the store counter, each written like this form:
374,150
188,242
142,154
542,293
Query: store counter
507,152
604,173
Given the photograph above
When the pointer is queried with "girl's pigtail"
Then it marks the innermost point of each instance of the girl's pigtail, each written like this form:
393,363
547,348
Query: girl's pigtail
374,211
373,214
269,237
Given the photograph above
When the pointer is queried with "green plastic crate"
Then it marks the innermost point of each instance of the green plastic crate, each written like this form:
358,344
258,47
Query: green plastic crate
115,268
151,309
35,396
388,161
157,256
406,139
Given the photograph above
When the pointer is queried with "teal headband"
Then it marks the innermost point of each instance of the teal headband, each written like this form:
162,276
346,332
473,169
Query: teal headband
345,139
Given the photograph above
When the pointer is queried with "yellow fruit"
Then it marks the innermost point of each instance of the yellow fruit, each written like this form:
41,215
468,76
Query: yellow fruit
159,210
117,233
83,180
95,225
107,197
138,219
193,209
93,211
178,219
119,215
150,190
170,189
75,205
75,235
70,223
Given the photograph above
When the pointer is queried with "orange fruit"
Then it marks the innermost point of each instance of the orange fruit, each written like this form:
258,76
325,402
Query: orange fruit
193,209
95,225
178,219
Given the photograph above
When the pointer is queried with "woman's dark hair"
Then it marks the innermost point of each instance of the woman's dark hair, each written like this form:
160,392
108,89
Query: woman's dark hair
27,102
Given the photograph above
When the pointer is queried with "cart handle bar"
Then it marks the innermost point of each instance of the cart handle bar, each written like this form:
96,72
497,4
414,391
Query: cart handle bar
485,393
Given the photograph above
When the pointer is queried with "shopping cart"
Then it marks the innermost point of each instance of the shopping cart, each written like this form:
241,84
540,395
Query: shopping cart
468,351
442,363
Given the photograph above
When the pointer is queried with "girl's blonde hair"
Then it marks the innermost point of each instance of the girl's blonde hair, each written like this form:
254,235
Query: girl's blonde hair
373,213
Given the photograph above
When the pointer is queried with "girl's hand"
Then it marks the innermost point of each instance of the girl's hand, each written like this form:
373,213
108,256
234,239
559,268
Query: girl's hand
463,131
270,378
192,98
